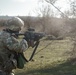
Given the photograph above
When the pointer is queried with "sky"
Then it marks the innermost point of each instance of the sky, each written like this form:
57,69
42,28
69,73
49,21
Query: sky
25,7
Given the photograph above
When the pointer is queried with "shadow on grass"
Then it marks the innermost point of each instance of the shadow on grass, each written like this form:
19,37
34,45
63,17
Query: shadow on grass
67,68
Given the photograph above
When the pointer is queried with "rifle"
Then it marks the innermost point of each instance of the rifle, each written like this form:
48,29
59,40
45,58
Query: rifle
31,36
33,40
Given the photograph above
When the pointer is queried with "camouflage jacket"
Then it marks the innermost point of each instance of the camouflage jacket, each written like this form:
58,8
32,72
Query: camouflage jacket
8,44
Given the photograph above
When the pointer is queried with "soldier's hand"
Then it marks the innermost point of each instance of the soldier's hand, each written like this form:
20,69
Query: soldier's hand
24,45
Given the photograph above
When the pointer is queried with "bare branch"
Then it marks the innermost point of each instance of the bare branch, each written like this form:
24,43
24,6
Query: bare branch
73,7
51,1
48,1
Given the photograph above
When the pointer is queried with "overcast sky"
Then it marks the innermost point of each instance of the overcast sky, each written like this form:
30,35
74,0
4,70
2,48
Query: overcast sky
23,7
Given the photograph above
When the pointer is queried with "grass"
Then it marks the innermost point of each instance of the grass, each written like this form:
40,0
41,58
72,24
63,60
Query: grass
52,60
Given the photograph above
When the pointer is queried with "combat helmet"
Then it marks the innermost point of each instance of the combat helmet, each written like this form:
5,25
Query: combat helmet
14,24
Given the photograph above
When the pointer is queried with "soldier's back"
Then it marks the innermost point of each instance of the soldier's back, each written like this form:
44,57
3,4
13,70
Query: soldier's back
3,50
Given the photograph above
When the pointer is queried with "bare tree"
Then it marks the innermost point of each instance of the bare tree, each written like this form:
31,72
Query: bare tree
73,7
45,13
72,24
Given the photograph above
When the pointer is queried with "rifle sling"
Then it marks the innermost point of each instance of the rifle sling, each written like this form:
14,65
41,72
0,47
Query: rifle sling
36,46
37,43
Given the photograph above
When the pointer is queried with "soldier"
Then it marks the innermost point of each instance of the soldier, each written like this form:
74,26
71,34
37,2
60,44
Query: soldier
10,44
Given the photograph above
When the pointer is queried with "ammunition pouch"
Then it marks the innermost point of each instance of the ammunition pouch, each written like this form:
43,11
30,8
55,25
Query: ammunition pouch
20,61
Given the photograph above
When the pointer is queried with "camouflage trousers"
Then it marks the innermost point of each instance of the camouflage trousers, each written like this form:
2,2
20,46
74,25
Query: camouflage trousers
8,66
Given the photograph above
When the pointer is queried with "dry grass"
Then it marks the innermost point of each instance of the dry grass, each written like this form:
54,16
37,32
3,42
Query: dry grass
50,61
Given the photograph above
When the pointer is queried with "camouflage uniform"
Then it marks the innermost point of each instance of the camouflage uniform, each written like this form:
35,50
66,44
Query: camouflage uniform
8,45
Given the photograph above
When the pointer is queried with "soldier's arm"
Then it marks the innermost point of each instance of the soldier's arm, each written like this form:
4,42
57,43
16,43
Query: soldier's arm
13,44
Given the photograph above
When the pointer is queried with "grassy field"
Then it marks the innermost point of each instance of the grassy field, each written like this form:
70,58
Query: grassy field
52,60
